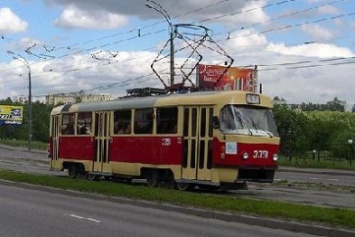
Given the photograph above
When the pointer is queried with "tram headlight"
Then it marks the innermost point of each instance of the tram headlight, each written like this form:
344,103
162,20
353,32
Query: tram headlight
245,156
275,157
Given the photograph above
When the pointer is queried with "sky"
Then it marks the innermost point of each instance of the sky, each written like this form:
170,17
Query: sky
304,49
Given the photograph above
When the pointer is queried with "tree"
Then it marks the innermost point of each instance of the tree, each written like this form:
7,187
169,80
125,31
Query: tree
293,130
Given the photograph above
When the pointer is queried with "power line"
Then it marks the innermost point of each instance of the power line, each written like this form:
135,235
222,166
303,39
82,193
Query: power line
135,37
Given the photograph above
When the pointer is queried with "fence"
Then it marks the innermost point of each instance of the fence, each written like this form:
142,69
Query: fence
337,152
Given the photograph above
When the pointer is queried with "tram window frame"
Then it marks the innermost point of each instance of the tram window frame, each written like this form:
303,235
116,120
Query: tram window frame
122,120
68,124
84,123
143,121
167,120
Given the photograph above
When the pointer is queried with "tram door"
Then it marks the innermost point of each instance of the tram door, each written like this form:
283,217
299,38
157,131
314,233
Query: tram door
198,138
55,128
102,140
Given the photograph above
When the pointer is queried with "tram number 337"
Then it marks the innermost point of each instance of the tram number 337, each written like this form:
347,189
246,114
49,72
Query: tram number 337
260,154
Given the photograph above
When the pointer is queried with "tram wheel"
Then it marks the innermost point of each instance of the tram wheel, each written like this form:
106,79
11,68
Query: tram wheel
72,171
152,178
91,177
184,186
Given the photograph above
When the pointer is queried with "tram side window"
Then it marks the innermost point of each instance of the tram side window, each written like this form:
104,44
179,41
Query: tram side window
84,123
68,122
143,121
122,122
167,120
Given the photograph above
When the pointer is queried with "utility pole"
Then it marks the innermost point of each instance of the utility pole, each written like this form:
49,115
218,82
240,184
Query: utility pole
157,7
25,62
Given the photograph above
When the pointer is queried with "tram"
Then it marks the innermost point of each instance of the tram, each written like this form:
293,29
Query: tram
207,139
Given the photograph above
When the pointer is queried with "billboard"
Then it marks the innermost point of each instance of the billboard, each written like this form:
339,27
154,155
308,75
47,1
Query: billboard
211,77
11,114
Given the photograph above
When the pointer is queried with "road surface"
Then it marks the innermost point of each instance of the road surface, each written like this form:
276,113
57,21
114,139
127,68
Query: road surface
38,213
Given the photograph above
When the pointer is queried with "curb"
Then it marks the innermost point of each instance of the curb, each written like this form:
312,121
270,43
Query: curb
223,216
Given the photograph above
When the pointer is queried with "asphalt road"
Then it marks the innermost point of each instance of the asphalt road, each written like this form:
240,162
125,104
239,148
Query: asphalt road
36,213
324,176
53,214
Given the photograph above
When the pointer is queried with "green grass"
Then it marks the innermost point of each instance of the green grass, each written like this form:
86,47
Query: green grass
334,217
321,164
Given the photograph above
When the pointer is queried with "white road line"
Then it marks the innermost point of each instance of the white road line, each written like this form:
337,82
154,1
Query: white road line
85,218
325,179
93,220
76,216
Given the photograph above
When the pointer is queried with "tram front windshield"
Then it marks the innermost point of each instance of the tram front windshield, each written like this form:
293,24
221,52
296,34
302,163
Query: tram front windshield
253,121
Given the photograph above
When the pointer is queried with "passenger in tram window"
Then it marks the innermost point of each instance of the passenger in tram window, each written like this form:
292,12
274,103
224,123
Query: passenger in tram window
163,127
84,129
128,129
63,129
69,129
69,124
174,130
119,128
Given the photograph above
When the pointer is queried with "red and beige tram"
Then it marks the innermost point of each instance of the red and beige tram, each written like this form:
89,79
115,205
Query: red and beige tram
210,139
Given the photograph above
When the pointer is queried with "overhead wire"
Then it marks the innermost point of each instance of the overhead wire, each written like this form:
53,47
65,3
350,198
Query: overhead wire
135,37
194,11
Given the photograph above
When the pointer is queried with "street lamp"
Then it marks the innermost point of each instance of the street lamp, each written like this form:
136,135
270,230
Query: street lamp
157,7
351,149
25,62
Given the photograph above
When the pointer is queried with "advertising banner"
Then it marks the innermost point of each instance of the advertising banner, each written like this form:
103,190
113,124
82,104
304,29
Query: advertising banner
211,77
11,114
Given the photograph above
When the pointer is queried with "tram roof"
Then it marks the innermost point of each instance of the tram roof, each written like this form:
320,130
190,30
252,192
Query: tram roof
195,98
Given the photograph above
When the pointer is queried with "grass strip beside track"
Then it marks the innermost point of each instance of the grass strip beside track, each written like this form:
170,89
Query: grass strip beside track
334,217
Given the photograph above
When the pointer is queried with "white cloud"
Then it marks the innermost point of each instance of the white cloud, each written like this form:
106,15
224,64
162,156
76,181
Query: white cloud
247,39
327,9
75,70
316,85
73,17
10,22
24,43
251,13
317,32
312,50
243,12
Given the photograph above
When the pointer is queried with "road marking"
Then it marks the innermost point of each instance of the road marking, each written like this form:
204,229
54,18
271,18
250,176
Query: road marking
325,179
85,218
76,216
94,220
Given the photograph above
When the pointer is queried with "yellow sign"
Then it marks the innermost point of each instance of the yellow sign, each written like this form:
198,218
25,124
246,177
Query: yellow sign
11,114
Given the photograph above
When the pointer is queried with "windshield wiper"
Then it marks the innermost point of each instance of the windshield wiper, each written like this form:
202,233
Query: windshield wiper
254,125
241,121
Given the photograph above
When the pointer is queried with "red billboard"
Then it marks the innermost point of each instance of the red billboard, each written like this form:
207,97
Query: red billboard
211,77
